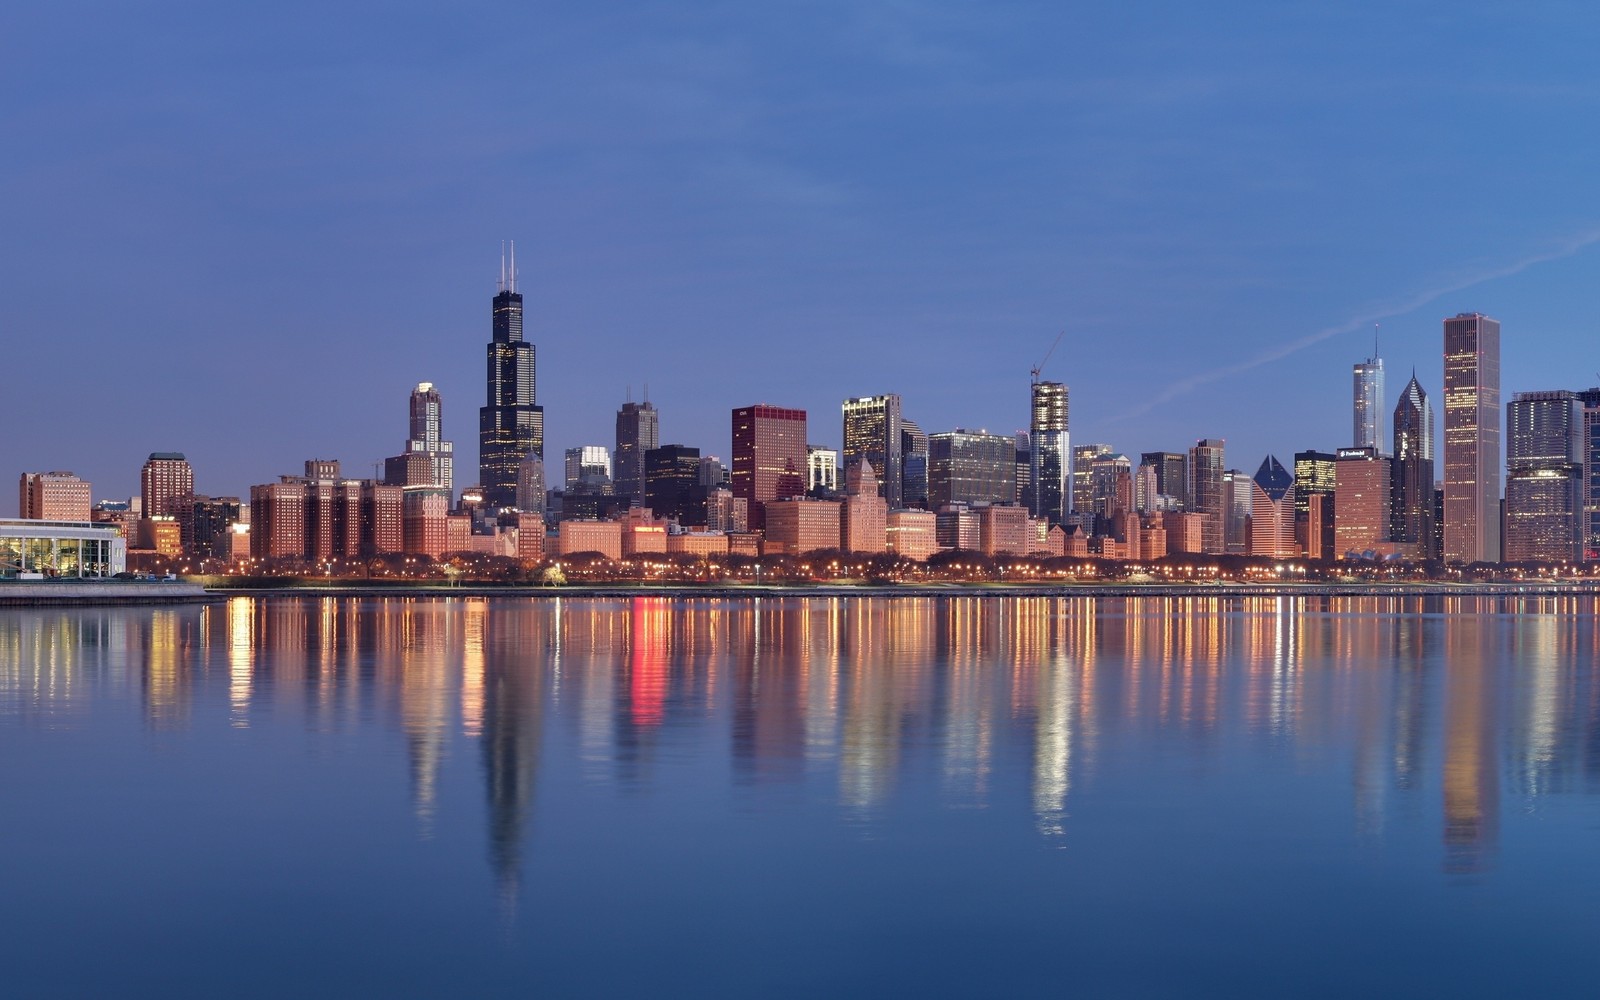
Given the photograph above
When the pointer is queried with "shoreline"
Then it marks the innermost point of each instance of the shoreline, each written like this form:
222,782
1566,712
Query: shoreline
921,590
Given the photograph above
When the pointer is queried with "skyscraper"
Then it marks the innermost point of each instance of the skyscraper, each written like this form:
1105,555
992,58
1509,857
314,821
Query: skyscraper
638,430
672,484
1171,473
1081,482
1050,477
589,466
1361,502
511,424
971,467
769,456
1471,439
428,459
1238,501
914,469
1205,490
1368,400
1590,398
1544,485
166,475
1412,494
1315,475
872,429
1272,511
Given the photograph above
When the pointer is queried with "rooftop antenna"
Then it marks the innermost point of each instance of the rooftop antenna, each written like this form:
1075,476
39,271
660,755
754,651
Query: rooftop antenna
513,286
1374,341
630,393
647,392
1036,369
502,286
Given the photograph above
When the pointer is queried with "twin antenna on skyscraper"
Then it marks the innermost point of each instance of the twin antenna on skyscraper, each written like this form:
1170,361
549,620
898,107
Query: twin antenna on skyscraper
508,276
1036,369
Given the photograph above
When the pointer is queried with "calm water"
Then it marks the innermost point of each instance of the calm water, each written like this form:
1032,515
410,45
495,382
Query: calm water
810,797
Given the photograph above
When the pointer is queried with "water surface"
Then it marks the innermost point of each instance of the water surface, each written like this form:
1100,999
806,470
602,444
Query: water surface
960,796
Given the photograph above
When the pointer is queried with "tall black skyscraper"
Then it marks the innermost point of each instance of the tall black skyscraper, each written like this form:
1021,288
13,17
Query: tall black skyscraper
511,425
638,430
1411,496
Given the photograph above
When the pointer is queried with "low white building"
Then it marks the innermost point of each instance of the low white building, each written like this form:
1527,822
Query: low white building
60,548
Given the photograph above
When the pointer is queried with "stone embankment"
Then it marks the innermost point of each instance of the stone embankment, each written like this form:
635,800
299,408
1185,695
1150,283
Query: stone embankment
76,593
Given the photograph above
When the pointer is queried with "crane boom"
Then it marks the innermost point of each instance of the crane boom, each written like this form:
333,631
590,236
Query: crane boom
1036,369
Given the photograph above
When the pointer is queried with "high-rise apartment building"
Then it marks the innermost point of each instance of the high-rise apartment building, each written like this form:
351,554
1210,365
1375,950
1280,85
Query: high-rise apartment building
1411,502
1471,439
1050,477
511,423
971,467
1544,482
1205,490
769,456
1368,402
166,475
52,496
428,459
1272,512
638,430
1590,398
872,430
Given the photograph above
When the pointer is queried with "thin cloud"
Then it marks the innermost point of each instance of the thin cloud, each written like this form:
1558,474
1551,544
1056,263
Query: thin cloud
1565,249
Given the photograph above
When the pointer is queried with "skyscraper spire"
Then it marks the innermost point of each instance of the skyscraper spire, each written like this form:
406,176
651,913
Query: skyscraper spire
513,285
502,285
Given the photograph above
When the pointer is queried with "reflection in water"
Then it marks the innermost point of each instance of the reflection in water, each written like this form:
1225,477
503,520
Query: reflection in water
1425,701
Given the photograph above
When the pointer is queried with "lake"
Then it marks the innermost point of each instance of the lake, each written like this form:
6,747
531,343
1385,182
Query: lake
793,797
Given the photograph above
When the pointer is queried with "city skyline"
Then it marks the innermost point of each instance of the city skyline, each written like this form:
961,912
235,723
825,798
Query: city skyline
867,200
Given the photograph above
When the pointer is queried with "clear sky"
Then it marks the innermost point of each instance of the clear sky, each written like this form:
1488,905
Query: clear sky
244,231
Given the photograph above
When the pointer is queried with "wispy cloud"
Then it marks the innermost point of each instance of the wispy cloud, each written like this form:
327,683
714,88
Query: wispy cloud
1565,248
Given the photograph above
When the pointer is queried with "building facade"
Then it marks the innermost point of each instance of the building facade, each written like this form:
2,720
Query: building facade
1471,439
971,467
1544,477
1367,408
53,496
769,456
165,477
1361,503
1272,512
1050,452
1205,490
1411,503
638,430
872,433
511,422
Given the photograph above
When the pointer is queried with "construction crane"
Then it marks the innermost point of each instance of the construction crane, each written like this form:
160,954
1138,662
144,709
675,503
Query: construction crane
1036,369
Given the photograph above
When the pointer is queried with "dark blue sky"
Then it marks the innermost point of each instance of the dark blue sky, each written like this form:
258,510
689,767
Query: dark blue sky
244,231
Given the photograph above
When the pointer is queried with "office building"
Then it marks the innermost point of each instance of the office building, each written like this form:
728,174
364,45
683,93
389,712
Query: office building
1172,473
1361,503
1003,530
1368,402
769,456
1412,491
1544,482
912,533
864,519
1205,469
638,430
427,459
1590,398
971,467
799,525
52,496
872,433
531,485
1238,499
166,475
1050,452
1110,489
1272,512
672,484
1314,480
511,423
1471,439
589,467
914,468
1082,482
822,471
